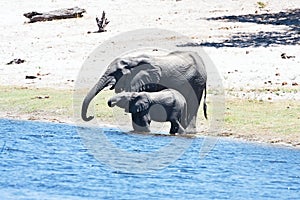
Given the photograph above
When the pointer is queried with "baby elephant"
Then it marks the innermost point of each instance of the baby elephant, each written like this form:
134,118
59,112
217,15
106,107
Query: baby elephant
166,105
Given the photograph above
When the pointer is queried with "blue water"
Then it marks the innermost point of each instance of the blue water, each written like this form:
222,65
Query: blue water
49,161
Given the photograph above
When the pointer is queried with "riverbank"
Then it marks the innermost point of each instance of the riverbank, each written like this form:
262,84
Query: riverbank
250,120
254,45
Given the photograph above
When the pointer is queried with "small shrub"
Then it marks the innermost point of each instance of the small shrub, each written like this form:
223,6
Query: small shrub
261,4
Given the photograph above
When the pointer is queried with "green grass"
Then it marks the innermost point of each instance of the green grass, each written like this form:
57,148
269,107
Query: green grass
261,116
102,110
261,5
281,117
26,101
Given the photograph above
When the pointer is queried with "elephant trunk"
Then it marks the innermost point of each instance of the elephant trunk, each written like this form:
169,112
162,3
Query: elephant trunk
101,84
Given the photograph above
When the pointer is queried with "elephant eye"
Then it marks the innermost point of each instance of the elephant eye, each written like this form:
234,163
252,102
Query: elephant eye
122,62
132,98
118,73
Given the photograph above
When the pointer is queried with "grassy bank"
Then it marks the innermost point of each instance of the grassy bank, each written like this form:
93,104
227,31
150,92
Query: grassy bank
36,103
279,118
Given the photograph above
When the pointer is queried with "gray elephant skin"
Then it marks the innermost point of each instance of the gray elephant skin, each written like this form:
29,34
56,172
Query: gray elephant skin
166,105
183,71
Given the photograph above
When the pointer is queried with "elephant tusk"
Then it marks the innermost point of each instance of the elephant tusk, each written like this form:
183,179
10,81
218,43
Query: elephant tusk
111,103
112,83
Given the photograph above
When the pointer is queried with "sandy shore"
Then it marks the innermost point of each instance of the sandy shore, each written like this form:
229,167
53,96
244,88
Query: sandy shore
254,47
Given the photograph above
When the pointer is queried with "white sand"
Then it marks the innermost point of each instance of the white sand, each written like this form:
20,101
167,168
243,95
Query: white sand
57,49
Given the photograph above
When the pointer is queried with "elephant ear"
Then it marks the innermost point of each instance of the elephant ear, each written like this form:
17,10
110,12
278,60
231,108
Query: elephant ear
135,61
143,77
139,102
125,64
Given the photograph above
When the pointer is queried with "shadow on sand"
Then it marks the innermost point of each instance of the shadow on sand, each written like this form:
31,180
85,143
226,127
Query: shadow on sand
264,38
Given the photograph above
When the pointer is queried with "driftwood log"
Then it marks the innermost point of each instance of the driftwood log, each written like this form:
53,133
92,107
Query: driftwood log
16,61
65,13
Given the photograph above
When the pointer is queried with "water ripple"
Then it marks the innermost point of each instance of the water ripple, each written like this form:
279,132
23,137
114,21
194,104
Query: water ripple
48,161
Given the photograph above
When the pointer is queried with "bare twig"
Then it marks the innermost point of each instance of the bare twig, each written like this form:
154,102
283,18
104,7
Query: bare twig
102,23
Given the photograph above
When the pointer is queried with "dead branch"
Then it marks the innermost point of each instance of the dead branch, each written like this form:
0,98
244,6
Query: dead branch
102,23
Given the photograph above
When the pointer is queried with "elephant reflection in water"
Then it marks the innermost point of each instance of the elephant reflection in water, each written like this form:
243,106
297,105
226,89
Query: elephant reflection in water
182,71
166,105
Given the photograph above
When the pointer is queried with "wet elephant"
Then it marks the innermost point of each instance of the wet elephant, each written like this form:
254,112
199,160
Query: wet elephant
165,105
183,71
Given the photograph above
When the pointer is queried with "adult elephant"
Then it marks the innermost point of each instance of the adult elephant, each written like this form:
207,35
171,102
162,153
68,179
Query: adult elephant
180,70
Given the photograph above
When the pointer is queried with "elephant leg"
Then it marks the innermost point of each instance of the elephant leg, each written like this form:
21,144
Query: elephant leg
193,104
191,128
191,117
140,123
176,127
138,128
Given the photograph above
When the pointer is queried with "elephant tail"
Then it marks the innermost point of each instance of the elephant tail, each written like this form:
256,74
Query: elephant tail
204,103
